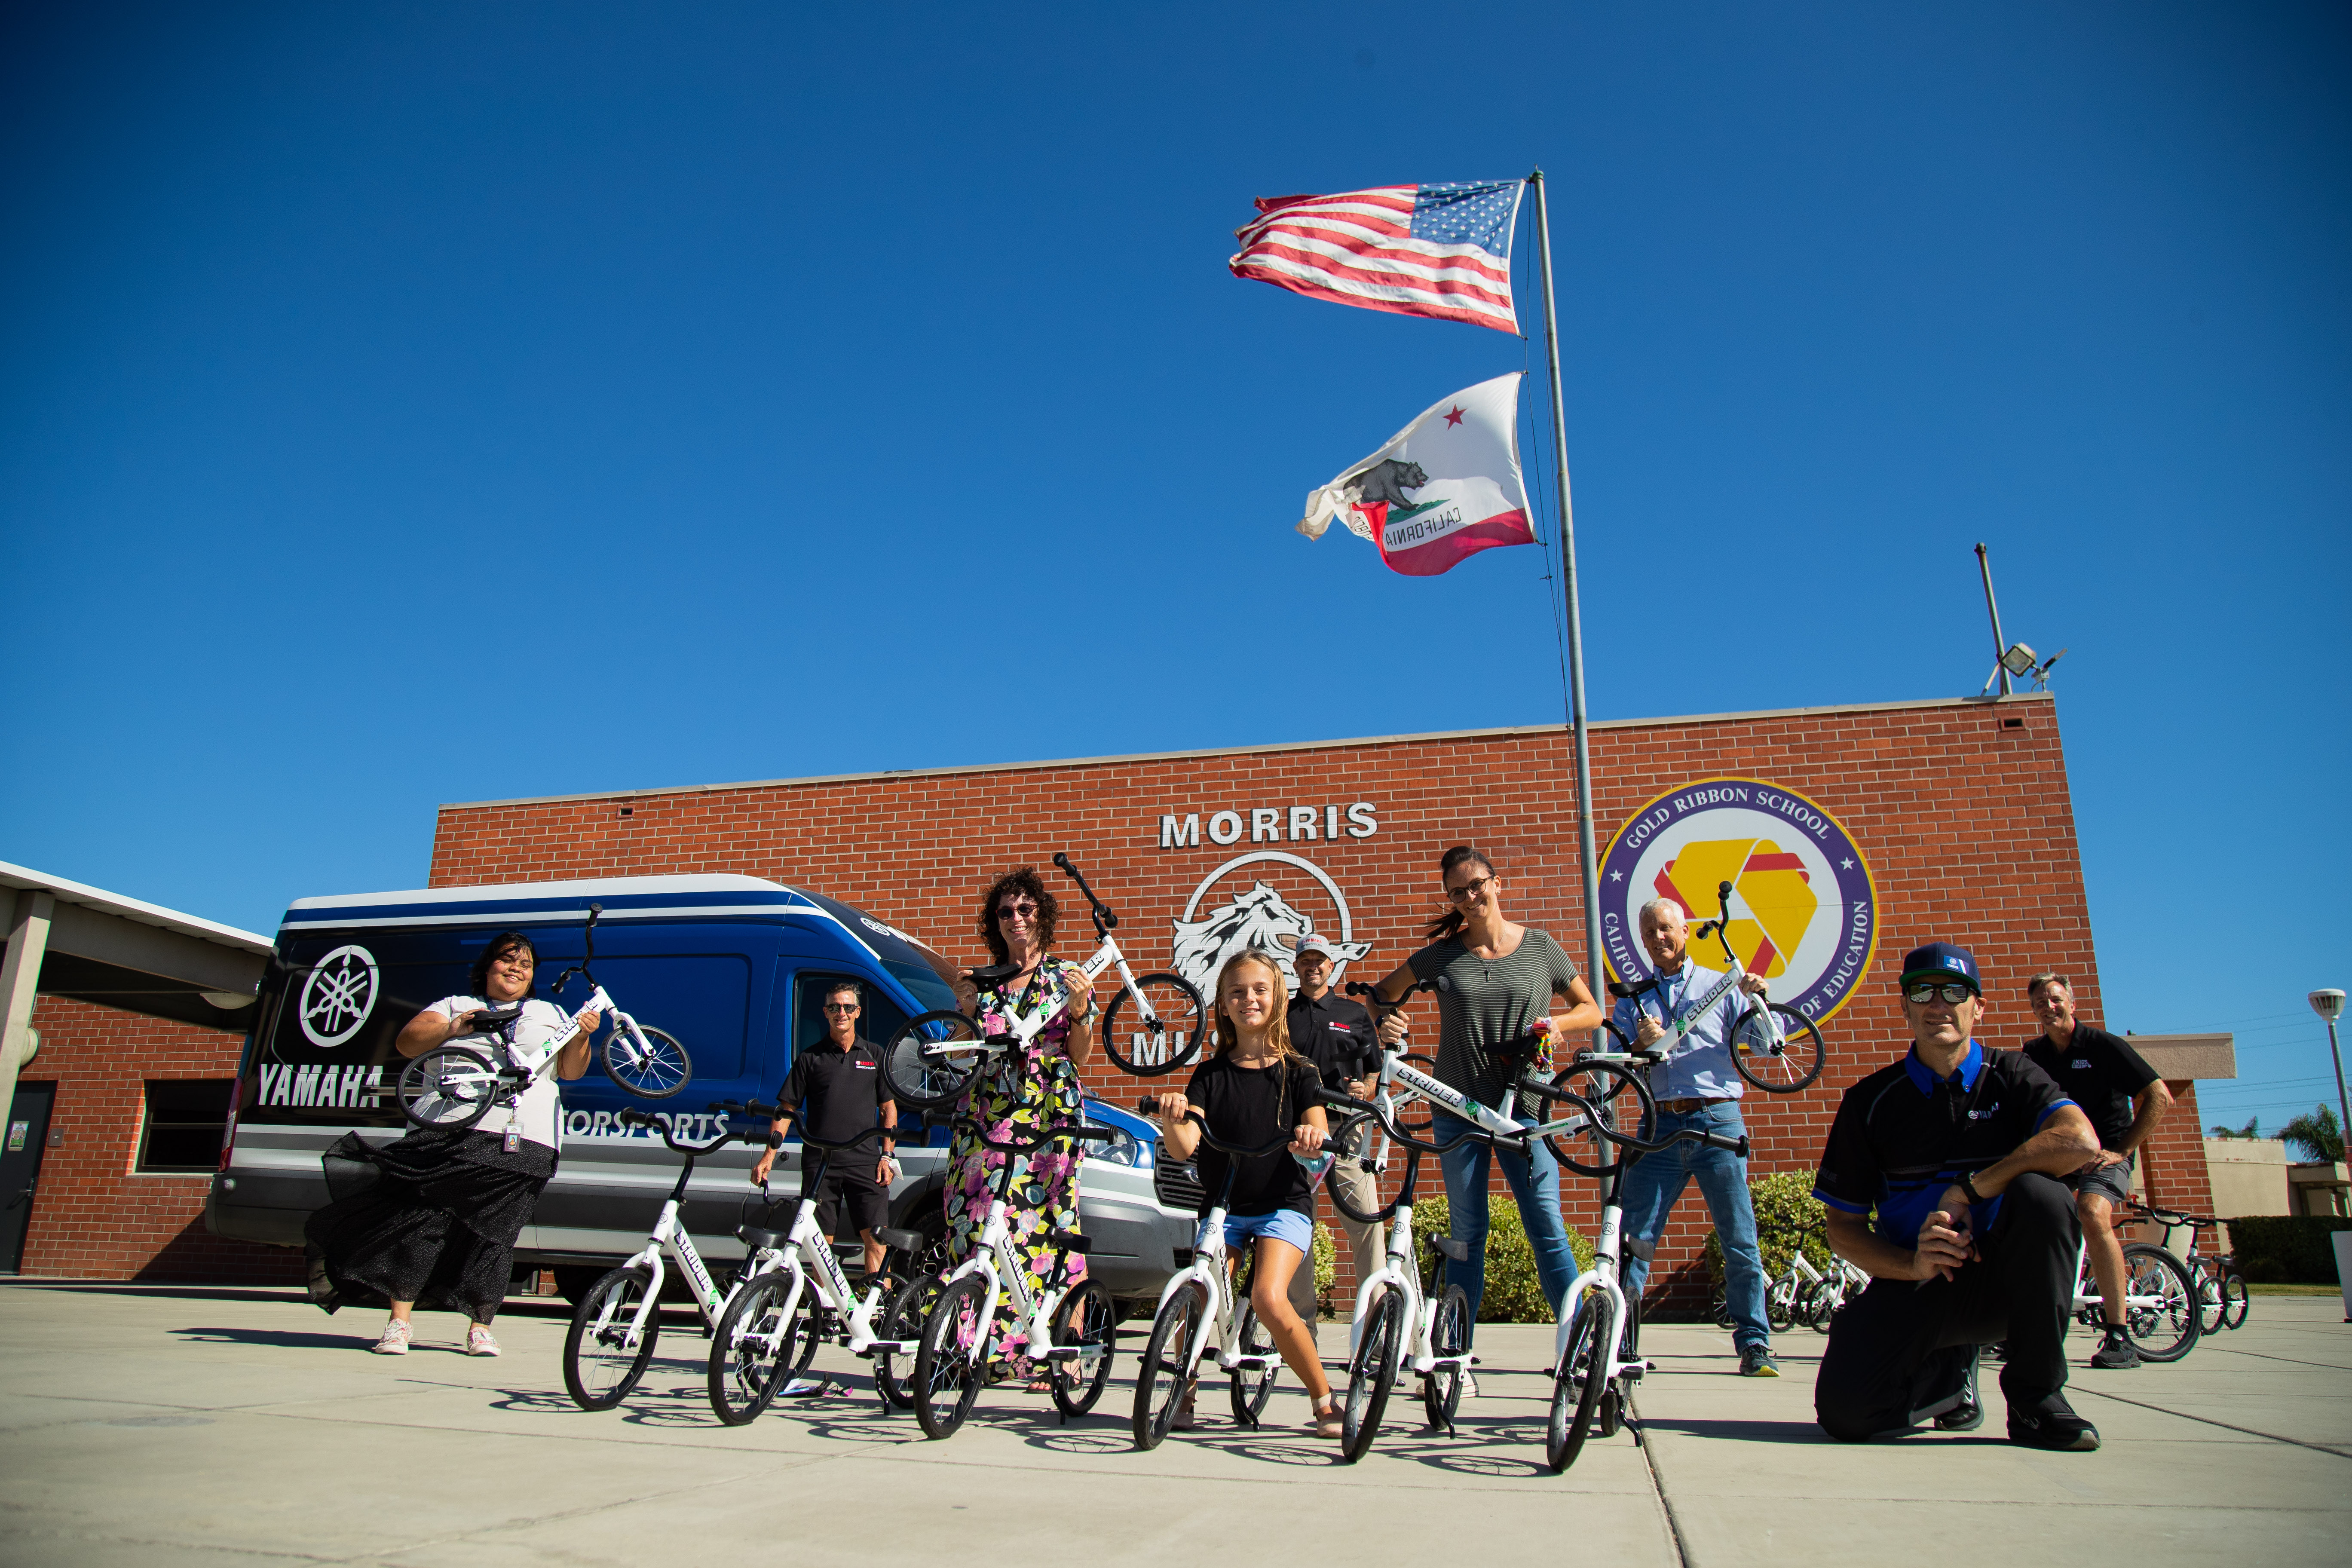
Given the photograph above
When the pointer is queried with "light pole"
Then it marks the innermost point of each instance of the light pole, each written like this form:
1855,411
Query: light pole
2329,1004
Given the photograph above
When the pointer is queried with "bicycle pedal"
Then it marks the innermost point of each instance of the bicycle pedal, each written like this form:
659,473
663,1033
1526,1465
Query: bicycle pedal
1064,1352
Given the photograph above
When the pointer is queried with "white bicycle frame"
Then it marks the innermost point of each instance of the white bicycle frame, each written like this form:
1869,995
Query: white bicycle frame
1006,1274
1602,1275
1210,1270
707,1298
1025,1028
2087,1288
599,1001
808,1256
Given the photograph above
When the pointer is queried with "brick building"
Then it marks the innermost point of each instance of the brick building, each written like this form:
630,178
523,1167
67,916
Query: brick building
1957,811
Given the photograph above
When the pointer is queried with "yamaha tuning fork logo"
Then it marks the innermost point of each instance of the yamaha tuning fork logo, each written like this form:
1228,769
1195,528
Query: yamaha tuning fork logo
1804,911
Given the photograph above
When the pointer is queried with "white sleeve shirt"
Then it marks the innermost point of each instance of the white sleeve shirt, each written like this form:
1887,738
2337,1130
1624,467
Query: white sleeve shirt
537,1114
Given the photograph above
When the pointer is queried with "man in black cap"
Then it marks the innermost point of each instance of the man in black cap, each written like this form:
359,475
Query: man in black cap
1960,1152
1338,1036
2125,1099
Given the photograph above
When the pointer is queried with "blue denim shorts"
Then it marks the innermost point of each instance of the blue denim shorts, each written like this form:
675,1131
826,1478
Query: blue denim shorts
1282,1225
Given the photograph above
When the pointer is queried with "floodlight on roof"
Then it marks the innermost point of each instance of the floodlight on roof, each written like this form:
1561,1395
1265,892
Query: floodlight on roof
2020,659
2329,1004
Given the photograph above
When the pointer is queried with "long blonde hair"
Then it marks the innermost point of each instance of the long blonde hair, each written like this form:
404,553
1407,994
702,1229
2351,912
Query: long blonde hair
1278,1034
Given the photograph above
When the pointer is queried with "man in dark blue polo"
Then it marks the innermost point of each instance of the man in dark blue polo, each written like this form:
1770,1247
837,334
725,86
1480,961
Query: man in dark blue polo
1961,1153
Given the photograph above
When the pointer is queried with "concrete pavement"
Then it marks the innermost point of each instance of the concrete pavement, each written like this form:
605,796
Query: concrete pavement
234,1426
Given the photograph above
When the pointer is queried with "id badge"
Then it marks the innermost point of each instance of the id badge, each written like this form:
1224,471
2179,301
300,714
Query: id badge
514,1140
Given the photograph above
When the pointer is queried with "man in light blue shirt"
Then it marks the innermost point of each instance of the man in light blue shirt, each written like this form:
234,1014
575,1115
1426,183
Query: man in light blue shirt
1697,1087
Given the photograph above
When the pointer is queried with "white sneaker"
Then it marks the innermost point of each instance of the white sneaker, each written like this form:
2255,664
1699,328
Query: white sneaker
394,1341
478,1341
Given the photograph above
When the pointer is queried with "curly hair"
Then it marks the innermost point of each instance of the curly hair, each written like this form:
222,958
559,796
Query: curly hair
506,941
1020,879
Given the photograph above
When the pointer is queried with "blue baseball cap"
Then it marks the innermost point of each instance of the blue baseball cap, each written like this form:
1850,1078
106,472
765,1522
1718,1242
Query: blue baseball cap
1942,961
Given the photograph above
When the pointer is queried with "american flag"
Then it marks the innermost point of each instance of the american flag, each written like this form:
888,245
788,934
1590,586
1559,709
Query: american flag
1418,250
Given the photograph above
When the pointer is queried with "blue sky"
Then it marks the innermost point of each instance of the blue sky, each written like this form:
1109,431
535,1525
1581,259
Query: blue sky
419,404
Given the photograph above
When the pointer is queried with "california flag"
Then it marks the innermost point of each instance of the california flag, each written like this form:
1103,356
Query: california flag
1446,487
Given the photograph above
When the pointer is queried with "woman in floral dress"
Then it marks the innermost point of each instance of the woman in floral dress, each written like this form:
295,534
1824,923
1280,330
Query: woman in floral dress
1022,1090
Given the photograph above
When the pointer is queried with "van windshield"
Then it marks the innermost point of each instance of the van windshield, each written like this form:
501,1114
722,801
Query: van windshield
928,989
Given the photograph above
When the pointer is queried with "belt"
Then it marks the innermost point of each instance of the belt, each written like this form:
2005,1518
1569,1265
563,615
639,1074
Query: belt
1684,1106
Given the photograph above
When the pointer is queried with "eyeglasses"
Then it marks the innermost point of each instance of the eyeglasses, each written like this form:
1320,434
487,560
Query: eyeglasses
1016,911
1951,991
1470,890
841,1007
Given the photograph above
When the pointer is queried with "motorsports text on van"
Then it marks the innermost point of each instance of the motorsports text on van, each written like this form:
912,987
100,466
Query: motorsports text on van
735,968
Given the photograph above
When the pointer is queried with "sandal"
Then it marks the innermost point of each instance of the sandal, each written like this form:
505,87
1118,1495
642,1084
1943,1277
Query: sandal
1327,1423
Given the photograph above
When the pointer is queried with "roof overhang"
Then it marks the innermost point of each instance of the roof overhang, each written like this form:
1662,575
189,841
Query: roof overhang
140,957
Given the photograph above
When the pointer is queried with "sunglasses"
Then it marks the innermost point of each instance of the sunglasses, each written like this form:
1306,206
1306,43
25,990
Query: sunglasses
1951,991
841,1006
1010,911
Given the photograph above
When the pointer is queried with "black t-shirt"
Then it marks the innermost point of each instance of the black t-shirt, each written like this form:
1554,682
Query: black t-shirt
833,1093
1251,1106
2098,1072
1337,1035
1902,1136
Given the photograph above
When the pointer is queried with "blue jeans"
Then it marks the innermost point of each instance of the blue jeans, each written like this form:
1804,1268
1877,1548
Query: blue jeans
1657,1180
1534,1186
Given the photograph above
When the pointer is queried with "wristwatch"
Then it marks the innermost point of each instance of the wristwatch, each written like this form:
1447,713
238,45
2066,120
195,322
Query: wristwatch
1968,1185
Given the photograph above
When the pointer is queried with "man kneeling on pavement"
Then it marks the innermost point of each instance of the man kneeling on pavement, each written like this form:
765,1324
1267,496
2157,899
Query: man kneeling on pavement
1961,1151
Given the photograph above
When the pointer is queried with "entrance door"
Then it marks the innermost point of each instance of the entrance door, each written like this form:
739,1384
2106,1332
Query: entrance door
20,1167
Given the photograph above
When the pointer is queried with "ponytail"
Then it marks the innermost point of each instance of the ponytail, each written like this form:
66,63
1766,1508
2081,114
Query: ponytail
1449,921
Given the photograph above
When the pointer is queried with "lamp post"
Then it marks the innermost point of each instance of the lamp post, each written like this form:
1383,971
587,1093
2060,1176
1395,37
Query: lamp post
2329,1004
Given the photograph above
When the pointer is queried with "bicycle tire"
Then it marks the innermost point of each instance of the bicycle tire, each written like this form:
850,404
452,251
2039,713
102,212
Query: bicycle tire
2165,1332
948,1378
1780,1302
1252,1386
1166,1374
751,1349
1575,1400
914,1064
1794,1066
2210,1309
1449,1335
1343,1199
1821,1305
1611,1413
599,1369
1087,1318
1372,1373
1604,1085
653,1067
903,1321
1719,1306
1167,1034
2236,1301
449,1088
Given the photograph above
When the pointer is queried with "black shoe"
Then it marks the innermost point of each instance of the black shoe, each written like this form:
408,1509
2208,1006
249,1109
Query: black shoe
1965,1417
2052,1425
2116,1355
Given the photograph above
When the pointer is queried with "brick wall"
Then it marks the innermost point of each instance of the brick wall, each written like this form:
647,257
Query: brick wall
1962,811
95,1217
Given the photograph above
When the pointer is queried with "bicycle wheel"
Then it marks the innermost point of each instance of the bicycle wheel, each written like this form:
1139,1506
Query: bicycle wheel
1449,1335
902,1322
751,1348
1781,1301
1718,1308
930,1061
600,1365
1086,1318
948,1375
2160,1311
2236,1301
1777,1048
1620,1102
1580,1379
649,1063
1821,1305
2210,1310
1166,1375
1609,1415
1372,1373
1372,1172
449,1088
1155,1029
1253,1386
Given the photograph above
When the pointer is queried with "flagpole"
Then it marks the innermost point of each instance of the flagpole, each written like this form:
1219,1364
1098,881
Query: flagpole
1587,875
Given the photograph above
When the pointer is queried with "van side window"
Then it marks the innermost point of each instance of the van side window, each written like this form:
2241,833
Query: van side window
881,1019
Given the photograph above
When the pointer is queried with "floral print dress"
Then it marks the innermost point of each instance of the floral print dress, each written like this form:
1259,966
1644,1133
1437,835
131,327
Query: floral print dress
1014,1096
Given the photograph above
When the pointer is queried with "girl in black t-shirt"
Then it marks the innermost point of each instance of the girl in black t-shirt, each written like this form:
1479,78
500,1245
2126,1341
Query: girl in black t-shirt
1254,1089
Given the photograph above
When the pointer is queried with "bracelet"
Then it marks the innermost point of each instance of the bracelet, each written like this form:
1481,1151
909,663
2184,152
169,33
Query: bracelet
1969,1186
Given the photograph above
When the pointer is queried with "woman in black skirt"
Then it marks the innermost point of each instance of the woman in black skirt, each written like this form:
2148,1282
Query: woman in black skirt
439,1224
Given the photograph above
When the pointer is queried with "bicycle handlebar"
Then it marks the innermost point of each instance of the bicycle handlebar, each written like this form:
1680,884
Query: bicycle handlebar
1082,1132
632,1117
1472,1133
1103,915
1358,988
1149,1106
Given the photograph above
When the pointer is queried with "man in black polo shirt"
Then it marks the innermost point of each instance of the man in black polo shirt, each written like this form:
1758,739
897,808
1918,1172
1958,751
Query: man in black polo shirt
2125,1099
1960,1149
1338,1036
835,1087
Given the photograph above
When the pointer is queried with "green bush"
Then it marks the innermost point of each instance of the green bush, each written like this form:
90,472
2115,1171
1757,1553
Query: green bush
1514,1294
1326,1267
1785,1210
2287,1249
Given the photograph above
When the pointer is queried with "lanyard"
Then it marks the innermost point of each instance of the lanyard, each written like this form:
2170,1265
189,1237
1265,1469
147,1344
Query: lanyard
1670,1011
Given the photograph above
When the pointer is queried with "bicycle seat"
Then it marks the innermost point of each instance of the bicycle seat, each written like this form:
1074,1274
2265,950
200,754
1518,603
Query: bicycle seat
909,1242
1448,1246
1622,990
752,1236
1071,1241
994,973
489,1020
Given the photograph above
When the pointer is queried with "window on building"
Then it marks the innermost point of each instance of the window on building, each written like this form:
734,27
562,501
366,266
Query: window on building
185,1120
